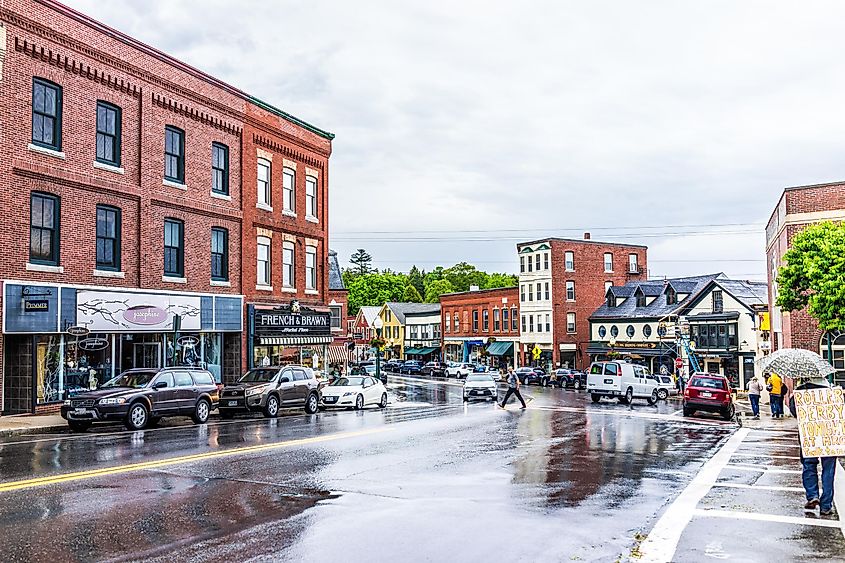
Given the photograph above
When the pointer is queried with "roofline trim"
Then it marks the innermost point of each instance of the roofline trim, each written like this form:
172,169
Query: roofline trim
575,240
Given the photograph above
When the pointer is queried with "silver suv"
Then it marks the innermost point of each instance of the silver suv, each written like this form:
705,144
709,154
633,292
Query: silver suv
267,389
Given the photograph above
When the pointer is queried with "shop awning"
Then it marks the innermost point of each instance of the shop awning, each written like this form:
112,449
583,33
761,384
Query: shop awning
337,353
427,350
500,348
293,340
412,351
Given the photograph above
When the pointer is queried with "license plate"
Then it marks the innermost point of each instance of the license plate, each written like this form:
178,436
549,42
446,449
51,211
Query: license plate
79,410
330,399
609,381
706,395
233,403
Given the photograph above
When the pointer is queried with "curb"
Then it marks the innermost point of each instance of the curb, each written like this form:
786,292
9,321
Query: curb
9,432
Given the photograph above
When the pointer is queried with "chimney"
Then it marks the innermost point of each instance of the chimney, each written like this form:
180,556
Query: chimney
586,236
474,288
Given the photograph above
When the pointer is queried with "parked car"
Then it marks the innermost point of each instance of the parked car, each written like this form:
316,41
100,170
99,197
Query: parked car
708,392
479,368
411,367
564,377
354,392
459,370
268,389
141,397
393,366
528,375
665,386
620,380
480,386
437,369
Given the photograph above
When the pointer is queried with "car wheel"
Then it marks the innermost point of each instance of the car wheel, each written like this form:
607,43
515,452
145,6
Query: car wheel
78,425
383,403
688,411
728,413
271,409
653,398
629,396
359,402
137,417
595,397
201,411
663,394
577,385
312,404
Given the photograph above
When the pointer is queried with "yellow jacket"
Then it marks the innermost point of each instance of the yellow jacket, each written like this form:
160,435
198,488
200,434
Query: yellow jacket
777,384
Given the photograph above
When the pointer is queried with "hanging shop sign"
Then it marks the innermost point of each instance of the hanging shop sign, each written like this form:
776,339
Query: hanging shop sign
92,344
188,341
77,331
114,311
292,320
35,305
36,299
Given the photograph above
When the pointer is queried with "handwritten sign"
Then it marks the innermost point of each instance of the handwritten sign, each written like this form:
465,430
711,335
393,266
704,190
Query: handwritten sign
821,421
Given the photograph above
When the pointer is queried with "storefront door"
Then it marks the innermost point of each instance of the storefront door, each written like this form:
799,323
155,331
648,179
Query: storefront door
147,355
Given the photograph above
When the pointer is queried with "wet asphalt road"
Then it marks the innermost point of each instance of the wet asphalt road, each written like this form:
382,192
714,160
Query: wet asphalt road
427,479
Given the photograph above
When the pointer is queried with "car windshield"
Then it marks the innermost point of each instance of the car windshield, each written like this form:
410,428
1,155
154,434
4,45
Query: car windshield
357,370
131,379
707,383
262,375
479,378
348,382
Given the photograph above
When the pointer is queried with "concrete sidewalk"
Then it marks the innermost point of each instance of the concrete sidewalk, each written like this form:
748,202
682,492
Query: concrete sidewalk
12,425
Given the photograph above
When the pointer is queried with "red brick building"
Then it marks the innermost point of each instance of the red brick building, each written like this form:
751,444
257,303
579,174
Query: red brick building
798,207
561,283
125,205
481,325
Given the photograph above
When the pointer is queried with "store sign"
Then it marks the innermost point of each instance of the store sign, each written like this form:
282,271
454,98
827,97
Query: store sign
188,341
286,321
35,305
821,421
115,311
145,315
92,344
77,331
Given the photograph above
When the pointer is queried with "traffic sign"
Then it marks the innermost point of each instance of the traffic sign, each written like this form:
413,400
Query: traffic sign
679,363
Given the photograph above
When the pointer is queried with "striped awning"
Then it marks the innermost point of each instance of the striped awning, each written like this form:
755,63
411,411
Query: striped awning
337,353
293,340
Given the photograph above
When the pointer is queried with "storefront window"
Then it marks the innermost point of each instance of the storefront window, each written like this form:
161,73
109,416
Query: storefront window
140,351
212,354
48,363
88,362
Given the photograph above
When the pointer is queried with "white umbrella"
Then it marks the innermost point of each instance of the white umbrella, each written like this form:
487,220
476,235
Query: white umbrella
796,363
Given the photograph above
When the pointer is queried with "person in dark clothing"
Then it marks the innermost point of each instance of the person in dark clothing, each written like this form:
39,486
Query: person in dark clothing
810,468
513,389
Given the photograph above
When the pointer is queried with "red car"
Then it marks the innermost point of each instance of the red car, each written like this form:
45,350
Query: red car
708,392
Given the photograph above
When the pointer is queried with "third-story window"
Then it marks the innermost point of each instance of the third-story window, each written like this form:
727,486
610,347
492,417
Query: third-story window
264,184
174,247
108,134
44,229
174,154
288,277
497,323
311,196
537,262
505,319
633,267
548,295
514,321
608,262
219,254
448,323
522,264
310,267
46,114
570,290
219,168
569,260
289,188
263,265
108,238
485,315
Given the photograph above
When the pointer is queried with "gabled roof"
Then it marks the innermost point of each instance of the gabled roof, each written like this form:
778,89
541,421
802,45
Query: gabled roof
681,286
402,309
652,288
335,279
369,314
750,293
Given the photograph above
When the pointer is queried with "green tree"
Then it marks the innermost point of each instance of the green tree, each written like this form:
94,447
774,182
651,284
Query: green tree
417,279
411,294
500,280
464,275
435,289
375,290
813,275
361,262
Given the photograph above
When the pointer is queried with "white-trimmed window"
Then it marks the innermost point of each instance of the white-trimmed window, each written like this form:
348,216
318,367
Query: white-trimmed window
548,323
289,189
539,288
547,293
496,321
263,267
310,267
537,262
522,264
505,320
311,196
335,311
522,293
457,322
288,278
530,323
570,322
514,319
633,266
569,260
523,324
264,183
608,262
570,290
448,322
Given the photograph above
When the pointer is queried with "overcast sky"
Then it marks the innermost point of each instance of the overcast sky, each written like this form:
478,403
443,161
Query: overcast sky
467,126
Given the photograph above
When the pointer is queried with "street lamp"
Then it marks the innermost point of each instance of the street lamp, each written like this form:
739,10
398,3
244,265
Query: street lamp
378,324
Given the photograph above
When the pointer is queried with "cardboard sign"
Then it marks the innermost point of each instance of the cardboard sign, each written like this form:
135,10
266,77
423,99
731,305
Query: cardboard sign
821,421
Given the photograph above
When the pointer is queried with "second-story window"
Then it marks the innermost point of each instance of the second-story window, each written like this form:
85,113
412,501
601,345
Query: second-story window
174,248
46,114
310,267
448,323
44,229
505,319
264,183
547,294
262,276
219,254
522,293
537,262
497,323
514,325
539,291
311,196
174,154
288,276
457,322
108,238
108,134
546,261
524,326
570,290
485,316
608,262
289,189
219,168
570,322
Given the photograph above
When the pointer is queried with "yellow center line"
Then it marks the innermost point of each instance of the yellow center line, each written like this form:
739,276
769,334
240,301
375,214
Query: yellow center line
92,473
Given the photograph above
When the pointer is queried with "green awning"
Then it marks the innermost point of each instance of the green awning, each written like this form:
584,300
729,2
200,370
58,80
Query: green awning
500,348
428,350
412,351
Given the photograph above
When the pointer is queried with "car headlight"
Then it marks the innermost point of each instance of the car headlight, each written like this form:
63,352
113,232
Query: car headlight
113,401
255,391
348,393
67,402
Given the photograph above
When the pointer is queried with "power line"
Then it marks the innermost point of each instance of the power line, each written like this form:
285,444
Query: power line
555,229
505,238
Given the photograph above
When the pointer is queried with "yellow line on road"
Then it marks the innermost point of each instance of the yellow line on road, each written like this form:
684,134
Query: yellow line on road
92,473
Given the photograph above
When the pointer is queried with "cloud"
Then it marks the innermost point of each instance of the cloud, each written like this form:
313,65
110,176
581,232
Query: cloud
542,115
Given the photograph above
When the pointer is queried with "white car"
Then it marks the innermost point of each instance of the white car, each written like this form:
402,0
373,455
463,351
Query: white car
459,370
665,386
621,380
355,391
480,386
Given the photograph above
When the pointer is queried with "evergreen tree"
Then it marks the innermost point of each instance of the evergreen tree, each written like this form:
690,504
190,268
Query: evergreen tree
361,262
416,279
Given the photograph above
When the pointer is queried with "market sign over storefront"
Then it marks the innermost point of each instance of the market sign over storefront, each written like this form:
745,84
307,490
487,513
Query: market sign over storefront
288,320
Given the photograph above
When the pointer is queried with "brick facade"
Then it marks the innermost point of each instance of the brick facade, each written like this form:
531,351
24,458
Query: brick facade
464,304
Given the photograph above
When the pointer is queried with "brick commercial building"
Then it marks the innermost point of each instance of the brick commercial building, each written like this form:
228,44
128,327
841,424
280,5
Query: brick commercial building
797,208
481,325
561,283
125,205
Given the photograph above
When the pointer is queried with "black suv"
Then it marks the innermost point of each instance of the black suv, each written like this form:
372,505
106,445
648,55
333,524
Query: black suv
564,377
393,366
141,397
434,369
267,389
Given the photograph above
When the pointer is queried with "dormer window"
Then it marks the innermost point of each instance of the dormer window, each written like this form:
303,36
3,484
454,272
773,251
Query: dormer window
671,296
611,300
640,298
